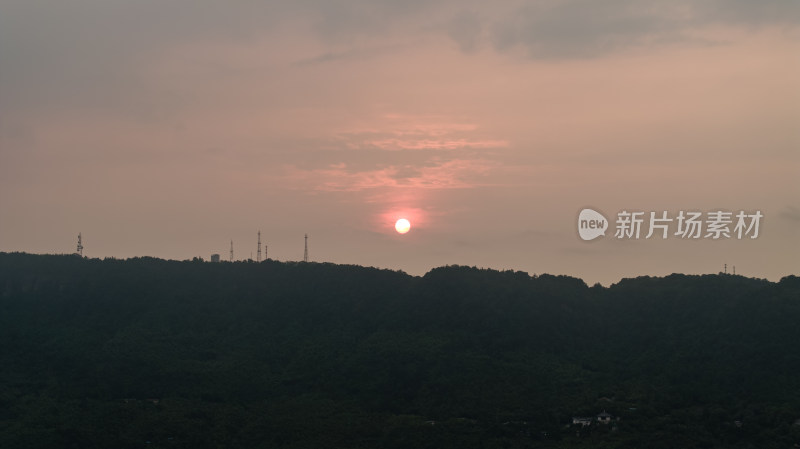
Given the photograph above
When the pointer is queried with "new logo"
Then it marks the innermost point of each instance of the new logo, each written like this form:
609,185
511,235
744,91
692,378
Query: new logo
591,224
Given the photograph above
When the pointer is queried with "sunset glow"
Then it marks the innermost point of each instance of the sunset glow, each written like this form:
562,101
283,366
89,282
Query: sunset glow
487,126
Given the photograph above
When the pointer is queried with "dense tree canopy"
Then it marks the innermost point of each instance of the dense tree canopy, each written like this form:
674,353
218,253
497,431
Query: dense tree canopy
152,353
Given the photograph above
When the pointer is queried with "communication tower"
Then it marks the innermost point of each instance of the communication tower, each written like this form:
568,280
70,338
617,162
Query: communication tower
258,258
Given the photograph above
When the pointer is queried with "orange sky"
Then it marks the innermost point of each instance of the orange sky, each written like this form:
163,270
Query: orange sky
167,131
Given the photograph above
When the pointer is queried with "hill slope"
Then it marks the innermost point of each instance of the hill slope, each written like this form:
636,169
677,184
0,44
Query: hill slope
153,353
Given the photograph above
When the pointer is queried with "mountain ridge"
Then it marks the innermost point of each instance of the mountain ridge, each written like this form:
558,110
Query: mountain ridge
295,354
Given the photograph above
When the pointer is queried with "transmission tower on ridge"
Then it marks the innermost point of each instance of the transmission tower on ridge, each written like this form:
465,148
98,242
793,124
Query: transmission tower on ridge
80,246
231,250
258,257
305,253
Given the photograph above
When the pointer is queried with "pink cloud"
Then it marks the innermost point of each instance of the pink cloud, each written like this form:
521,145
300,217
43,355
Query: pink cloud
452,174
396,132
434,144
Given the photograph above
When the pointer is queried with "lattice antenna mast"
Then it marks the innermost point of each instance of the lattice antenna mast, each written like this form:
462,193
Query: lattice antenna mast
305,253
258,257
80,245
231,250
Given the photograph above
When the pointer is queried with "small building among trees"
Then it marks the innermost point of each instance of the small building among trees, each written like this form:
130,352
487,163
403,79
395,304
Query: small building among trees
604,418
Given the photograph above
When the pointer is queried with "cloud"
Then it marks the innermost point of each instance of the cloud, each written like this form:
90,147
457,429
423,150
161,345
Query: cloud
345,20
434,144
398,132
587,29
465,29
746,12
439,175
92,53
575,29
350,54
403,152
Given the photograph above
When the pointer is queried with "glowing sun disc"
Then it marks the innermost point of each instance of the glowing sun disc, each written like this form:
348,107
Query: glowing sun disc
402,226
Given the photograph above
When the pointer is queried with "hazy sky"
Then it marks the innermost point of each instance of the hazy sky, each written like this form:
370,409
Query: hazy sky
168,128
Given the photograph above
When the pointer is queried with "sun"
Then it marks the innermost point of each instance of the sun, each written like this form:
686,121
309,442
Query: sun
402,226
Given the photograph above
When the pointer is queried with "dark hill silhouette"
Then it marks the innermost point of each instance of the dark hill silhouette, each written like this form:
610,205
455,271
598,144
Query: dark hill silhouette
119,353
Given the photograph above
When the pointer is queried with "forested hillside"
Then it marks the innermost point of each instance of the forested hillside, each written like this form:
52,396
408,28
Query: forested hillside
152,353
